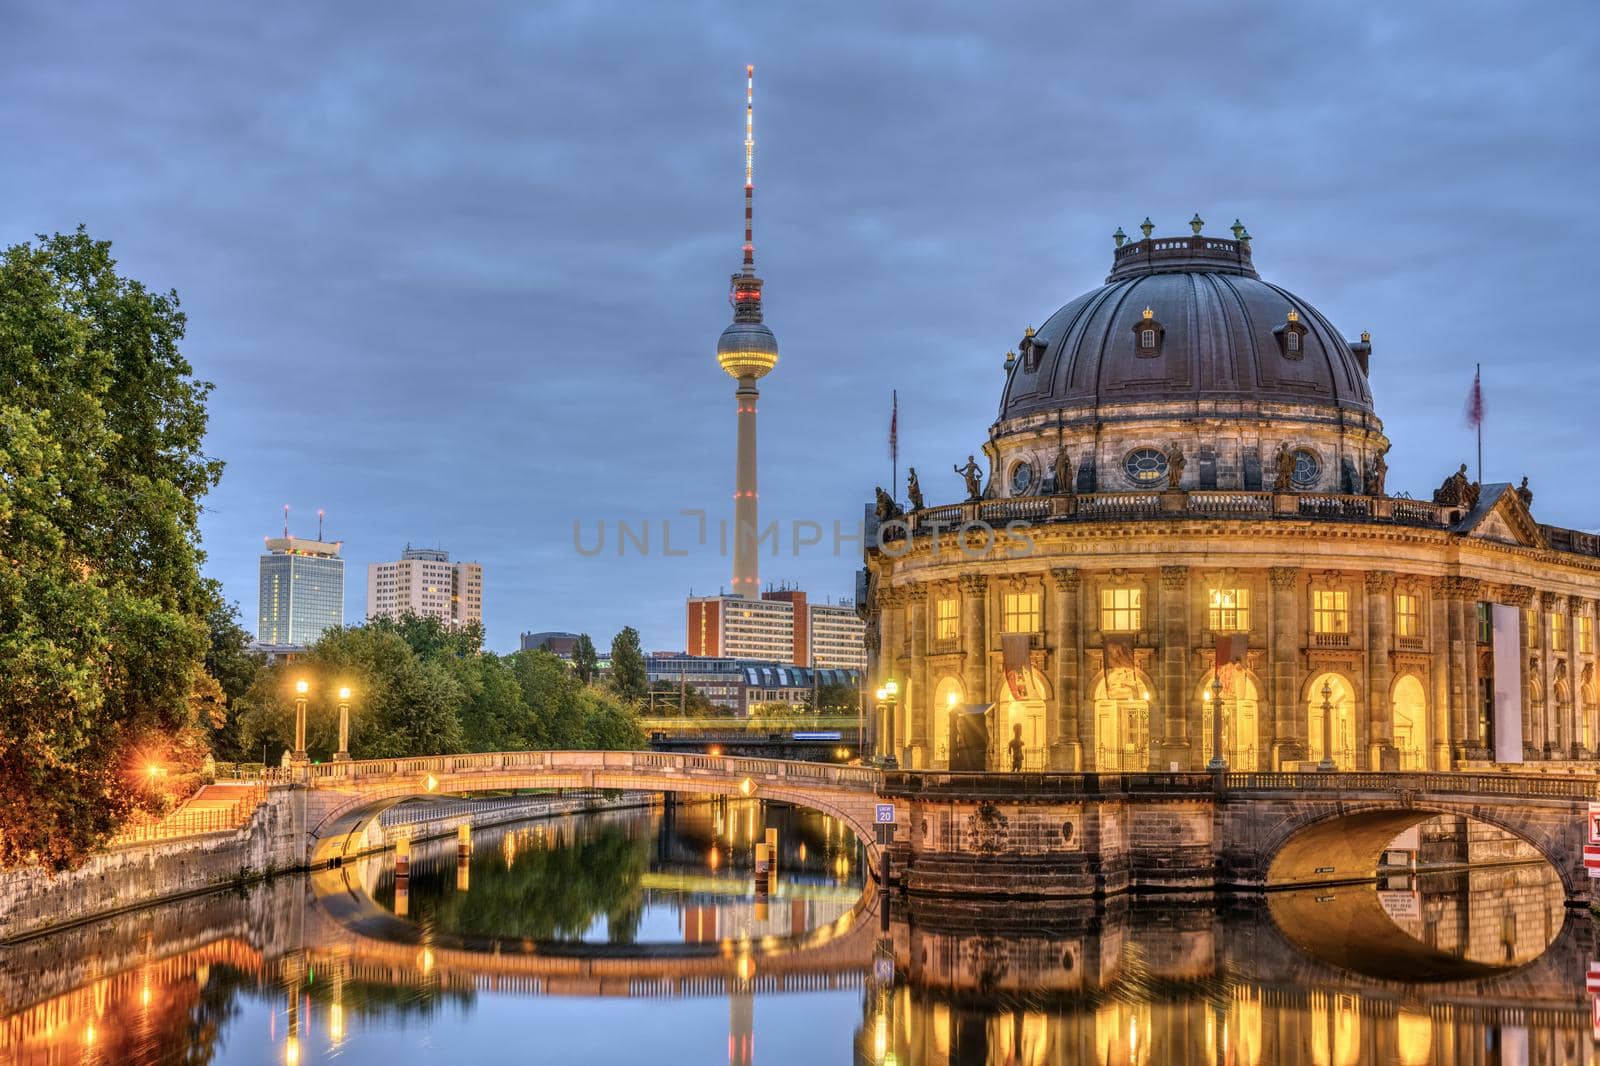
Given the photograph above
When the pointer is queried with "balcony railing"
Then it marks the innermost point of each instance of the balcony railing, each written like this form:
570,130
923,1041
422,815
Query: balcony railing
1330,640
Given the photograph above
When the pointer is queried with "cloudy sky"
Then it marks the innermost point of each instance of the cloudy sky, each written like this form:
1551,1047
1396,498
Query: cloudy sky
458,271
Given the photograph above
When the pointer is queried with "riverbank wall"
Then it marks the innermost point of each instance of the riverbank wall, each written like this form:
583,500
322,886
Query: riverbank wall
34,901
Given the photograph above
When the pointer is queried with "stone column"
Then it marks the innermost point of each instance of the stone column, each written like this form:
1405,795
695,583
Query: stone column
872,640
892,630
1573,734
1522,598
1174,659
1066,751
1471,593
1379,751
1448,733
1285,634
974,639
919,690
1549,604
1455,638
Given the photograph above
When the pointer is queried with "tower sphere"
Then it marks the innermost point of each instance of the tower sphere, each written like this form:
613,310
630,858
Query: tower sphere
747,350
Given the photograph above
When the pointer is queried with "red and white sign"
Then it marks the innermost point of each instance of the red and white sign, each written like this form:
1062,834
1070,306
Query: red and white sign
1594,823
1594,1013
1591,980
1591,859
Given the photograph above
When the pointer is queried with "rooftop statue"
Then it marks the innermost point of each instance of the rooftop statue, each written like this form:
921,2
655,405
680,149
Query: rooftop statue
1063,472
913,489
974,478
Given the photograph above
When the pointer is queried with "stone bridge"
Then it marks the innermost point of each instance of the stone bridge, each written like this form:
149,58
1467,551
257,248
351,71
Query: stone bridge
341,798
1036,835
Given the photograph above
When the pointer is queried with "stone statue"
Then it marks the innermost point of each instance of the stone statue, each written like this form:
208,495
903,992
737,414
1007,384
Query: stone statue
1063,471
1456,491
1376,475
1176,461
974,478
913,489
886,508
1525,494
1284,481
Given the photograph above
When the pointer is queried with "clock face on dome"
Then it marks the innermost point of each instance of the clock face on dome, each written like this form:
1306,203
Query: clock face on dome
1021,478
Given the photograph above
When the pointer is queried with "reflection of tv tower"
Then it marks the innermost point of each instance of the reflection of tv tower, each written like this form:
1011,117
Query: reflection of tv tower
747,350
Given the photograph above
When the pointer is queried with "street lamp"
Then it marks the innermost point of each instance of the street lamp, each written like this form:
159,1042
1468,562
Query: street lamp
1327,762
1218,764
300,690
886,700
343,754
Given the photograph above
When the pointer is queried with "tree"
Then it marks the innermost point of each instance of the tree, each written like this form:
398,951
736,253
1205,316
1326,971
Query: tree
102,606
431,638
837,697
233,666
585,659
629,679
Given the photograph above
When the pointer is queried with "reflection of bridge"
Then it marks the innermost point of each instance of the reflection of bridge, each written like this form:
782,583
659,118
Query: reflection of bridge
1027,833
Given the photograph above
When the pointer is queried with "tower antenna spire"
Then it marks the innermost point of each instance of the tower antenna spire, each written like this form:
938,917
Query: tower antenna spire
749,168
285,521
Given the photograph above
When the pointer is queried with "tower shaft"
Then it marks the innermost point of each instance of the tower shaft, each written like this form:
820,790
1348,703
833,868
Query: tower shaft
746,501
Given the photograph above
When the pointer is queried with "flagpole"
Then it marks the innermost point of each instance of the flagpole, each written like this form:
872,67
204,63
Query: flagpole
1477,385
894,444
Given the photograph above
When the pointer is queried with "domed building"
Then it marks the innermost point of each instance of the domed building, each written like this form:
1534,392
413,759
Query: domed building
1183,509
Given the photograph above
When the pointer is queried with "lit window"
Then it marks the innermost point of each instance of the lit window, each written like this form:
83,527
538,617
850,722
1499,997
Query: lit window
1330,611
1019,612
1230,611
1530,623
947,614
1121,610
1407,615
1585,634
1558,631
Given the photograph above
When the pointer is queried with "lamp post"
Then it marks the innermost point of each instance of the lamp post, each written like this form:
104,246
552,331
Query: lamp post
343,754
300,689
886,700
1327,762
1218,763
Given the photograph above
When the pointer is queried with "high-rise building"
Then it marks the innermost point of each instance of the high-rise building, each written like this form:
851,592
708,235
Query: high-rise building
747,351
302,590
779,627
424,582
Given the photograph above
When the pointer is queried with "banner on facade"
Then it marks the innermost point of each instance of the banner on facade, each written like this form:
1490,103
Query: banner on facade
1231,648
1118,664
1014,653
1507,684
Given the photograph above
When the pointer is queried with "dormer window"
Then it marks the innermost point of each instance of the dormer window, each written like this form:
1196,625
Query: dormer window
1291,336
1148,335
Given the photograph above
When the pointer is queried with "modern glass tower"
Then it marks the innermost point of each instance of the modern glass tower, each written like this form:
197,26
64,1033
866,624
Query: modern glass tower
302,591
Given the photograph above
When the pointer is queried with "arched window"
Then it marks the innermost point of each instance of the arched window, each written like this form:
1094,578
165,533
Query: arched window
1292,340
1147,338
1411,723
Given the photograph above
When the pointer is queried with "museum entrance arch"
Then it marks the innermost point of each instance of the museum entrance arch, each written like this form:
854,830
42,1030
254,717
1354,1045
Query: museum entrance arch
1028,715
1334,691
1122,722
1241,717
1411,723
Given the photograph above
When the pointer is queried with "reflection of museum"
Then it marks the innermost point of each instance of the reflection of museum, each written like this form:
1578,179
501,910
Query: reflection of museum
1190,452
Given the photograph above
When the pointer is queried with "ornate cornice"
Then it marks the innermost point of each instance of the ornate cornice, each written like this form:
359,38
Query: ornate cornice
1174,577
1380,580
1066,578
1284,578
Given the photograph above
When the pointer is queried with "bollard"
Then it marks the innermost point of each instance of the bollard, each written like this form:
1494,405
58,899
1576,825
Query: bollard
772,853
463,840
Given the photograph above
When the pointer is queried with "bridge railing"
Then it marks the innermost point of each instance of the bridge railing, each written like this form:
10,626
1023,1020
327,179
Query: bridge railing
1532,785
335,774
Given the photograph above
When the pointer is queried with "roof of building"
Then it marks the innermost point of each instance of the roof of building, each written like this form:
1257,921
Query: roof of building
1221,336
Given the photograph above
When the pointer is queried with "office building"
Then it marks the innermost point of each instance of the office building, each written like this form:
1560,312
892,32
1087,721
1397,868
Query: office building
424,582
302,591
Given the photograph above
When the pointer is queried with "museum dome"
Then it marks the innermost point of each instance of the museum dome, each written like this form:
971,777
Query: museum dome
1186,319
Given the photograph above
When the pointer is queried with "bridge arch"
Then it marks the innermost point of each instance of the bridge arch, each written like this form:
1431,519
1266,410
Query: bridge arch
1336,841
343,798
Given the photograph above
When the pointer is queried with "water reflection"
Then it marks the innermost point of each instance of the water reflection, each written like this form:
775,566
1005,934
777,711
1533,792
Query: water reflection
576,929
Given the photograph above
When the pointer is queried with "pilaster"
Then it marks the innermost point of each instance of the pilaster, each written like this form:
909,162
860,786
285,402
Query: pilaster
1380,751
1174,707
974,638
919,689
1066,749
1286,631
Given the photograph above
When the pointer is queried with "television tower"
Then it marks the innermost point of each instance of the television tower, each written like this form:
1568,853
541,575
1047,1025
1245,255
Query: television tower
747,351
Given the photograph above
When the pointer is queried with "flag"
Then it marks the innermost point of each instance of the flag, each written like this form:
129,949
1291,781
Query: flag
894,427
1475,401
1014,653
1117,661
1231,648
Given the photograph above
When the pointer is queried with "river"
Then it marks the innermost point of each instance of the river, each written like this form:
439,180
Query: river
639,936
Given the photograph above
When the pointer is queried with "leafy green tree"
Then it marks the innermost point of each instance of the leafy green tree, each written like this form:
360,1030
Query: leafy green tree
585,660
233,666
102,606
669,699
492,712
401,704
629,679
836,697
429,637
